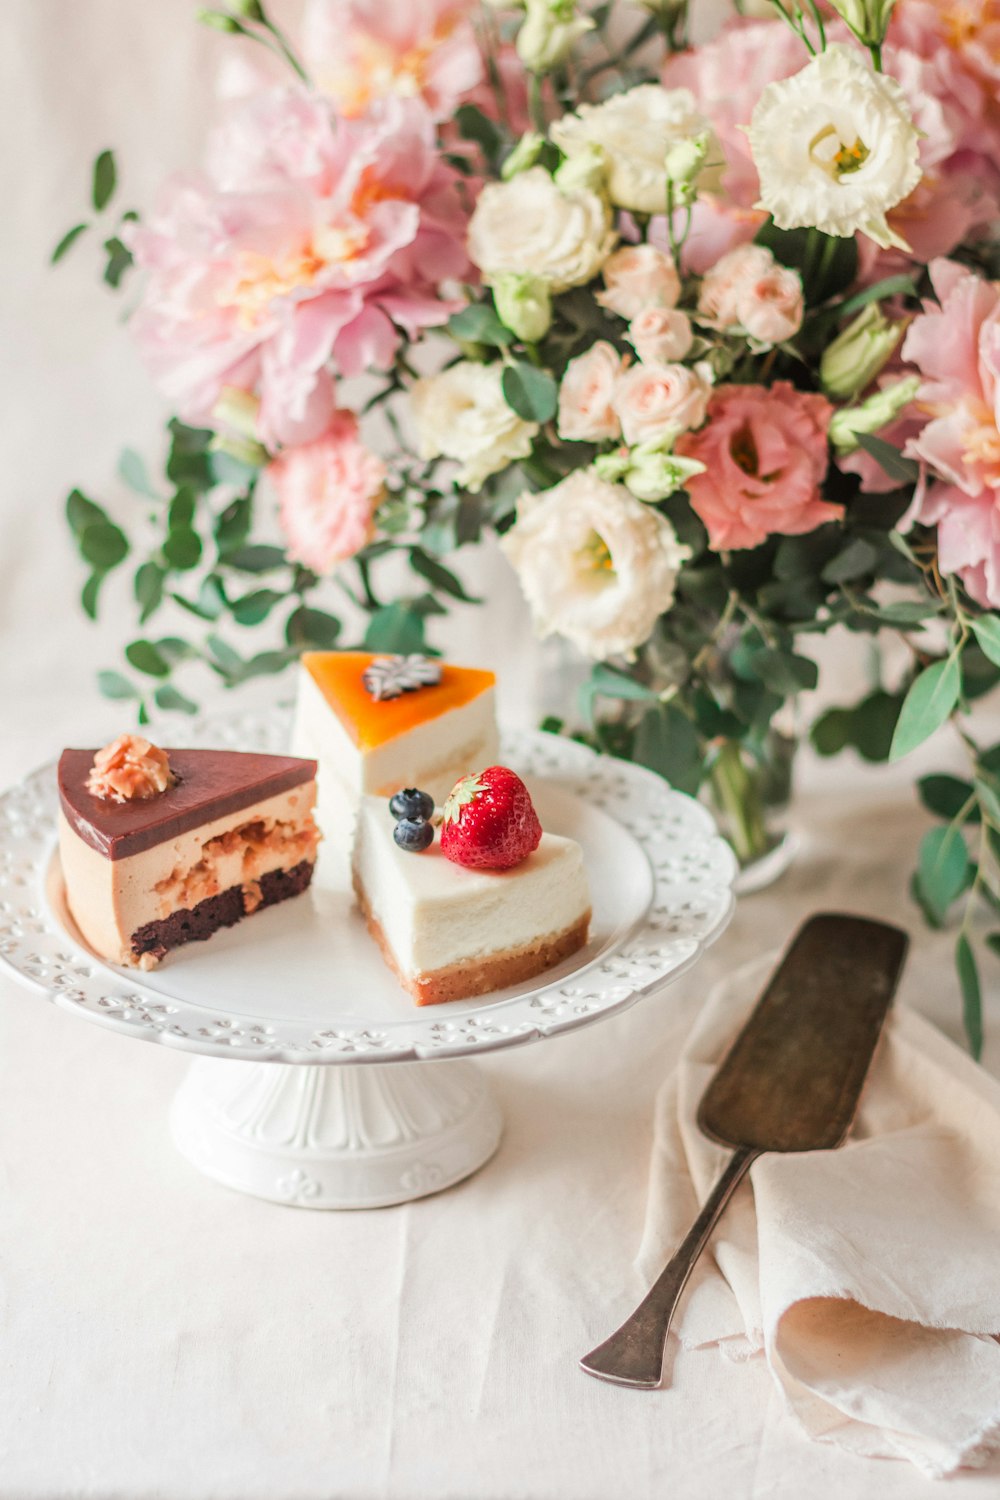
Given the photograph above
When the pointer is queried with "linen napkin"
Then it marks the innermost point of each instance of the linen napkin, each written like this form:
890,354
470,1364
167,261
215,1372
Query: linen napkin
868,1277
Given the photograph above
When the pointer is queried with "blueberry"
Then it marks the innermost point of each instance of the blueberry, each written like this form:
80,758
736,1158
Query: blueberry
410,803
413,834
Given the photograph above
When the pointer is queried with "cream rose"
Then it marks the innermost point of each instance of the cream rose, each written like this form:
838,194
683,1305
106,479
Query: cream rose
661,335
587,394
637,277
596,565
655,402
635,130
835,148
534,228
462,414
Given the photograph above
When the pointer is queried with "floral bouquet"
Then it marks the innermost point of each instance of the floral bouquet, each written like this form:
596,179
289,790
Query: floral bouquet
705,336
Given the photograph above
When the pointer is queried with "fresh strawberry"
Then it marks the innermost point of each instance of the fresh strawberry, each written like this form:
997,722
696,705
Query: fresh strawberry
489,821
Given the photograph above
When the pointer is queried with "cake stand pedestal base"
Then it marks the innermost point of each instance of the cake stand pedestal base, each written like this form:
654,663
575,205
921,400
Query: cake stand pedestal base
336,1137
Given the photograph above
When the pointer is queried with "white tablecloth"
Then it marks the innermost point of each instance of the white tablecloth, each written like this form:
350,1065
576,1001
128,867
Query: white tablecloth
164,1339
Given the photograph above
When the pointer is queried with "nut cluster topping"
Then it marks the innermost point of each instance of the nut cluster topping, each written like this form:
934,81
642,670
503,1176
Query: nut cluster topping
130,769
391,676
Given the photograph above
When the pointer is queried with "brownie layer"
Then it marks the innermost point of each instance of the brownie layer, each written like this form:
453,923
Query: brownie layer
195,924
210,785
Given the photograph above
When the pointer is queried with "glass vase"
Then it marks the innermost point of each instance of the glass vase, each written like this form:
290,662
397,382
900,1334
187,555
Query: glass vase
749,791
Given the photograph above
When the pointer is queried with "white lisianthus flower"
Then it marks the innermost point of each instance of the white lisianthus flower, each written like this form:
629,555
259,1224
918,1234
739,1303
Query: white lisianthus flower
835,148
596,565
534,228
636,130
462,414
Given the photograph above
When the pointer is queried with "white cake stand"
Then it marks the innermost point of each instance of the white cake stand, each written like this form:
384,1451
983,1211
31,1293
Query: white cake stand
317,1081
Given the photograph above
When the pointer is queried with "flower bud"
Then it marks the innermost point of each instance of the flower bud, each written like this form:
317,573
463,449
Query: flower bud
586,170
878,411
868,19
524,155
550,31
250,10
523,305
614,465
237,409
858,353
217,21
653,474
685,160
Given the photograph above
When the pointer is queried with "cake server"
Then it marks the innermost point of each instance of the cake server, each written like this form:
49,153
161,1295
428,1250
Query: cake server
790,1082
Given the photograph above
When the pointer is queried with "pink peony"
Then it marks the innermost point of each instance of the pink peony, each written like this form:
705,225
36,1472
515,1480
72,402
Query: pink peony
309,239
956,347
361,51
765,455
327,493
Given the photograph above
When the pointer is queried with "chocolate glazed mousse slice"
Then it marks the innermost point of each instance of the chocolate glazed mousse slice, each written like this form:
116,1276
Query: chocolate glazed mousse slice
160,848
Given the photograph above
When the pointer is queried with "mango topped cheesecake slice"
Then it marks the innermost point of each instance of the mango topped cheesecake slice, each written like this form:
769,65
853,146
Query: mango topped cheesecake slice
376,722
164,847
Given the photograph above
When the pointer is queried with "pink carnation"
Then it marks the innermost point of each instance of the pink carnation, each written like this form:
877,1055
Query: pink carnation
956,347
361,51
327,494
765,453
310,239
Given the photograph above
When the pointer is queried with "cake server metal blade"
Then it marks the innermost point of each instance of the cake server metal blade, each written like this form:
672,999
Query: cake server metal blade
790,1082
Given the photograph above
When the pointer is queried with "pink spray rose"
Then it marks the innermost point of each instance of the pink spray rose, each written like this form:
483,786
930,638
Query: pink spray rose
661,334
747,288
956,347
637,277
656,401
360,51
310,239
327,493
587,394
765,455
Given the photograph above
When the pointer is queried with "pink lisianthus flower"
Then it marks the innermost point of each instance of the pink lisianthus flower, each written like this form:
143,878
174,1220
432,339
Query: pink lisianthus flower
361,51
956,348
310,240
765,454
327,493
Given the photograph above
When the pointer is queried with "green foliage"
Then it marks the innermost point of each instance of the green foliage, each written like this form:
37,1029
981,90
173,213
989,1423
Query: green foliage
931,698
868,727
531,392
972,1003
828,265
104,180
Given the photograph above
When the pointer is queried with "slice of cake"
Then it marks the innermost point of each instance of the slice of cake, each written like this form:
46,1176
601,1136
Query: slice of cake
160,848
378,723
452,925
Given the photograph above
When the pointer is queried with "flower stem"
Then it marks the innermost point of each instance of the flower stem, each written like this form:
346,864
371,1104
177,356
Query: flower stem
739,800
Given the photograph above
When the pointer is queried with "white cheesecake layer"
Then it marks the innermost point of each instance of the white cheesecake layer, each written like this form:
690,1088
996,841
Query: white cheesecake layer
433,755
111,898
434,913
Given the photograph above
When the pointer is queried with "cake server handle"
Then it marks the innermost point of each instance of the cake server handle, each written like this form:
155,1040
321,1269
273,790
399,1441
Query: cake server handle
634,1354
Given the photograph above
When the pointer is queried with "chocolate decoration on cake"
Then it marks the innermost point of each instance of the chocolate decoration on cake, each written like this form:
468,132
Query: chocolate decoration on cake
208,783
391,676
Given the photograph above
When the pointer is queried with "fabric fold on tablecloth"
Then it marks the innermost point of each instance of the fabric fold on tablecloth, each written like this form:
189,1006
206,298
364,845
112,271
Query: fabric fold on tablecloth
867,1277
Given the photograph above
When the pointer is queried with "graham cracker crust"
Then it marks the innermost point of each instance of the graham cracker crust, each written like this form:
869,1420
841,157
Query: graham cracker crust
463,981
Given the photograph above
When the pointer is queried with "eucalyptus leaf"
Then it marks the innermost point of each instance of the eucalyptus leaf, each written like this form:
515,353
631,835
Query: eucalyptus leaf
145,657
784,672
233,526
66,243
103,545
890,459
306,626
479,324
223,656
118,261
148,588
168,697
104,180
114,685
946,797
397,627
942,868
930,700
667,742
856,559
438,576
257,558
986,629
255,607
182,548
88,597
81,513
530,392
972,1004
182,508
132,469
607,682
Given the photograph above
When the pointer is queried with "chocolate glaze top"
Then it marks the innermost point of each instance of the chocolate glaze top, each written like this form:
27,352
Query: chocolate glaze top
210,784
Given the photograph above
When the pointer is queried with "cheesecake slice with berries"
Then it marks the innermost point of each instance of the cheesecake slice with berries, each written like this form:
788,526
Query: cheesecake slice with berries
375,722
490,902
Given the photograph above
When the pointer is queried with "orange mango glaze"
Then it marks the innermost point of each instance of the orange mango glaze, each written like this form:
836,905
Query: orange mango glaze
339,677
